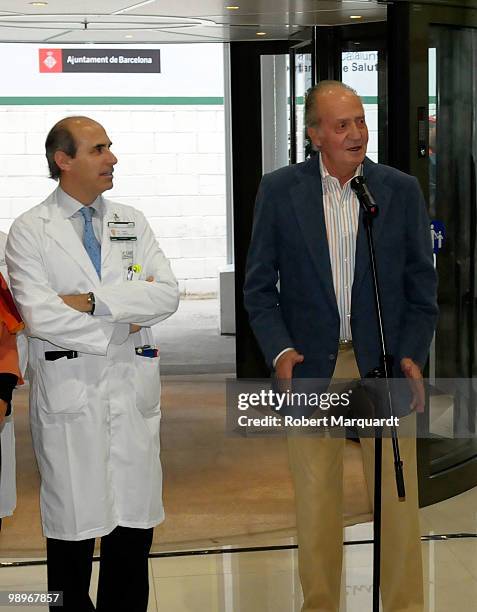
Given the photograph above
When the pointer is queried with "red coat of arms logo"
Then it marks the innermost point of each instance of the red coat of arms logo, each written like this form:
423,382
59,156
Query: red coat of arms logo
50,60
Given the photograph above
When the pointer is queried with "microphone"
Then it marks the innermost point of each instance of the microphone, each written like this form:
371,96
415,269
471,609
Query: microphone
358,185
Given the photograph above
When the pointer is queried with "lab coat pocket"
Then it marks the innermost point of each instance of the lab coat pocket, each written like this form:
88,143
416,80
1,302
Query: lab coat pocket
61,386
148,385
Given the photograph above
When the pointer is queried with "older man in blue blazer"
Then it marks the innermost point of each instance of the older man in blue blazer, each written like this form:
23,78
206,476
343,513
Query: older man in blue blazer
319,321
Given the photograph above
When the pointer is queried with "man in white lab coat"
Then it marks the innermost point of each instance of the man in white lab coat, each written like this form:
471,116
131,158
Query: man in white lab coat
90,280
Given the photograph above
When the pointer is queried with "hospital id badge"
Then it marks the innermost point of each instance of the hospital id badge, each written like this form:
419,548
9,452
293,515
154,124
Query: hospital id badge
122,230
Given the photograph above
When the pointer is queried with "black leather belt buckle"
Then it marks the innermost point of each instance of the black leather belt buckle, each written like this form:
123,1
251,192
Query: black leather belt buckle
54,355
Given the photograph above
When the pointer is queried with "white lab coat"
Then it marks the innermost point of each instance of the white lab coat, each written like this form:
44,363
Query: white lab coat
94,419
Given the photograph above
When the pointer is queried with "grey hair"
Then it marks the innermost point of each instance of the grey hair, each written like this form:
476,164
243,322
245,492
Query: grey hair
311,105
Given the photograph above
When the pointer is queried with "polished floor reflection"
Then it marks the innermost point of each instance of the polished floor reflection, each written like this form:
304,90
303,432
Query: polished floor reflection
267,580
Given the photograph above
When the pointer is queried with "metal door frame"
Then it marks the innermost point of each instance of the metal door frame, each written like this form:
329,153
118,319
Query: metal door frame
408,43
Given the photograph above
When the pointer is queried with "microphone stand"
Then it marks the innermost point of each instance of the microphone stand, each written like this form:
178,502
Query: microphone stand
370,211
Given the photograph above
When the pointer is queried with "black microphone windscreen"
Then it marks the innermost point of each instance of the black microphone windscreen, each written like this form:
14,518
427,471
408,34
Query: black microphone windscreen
357,184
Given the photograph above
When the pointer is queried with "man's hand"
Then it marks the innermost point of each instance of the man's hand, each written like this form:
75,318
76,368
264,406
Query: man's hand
286,363
78,301
414,375
3,410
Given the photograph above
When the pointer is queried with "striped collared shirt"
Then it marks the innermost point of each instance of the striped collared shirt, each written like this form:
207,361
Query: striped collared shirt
341,208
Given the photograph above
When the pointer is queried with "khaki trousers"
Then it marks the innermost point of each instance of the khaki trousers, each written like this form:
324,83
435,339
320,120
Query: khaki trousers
317,468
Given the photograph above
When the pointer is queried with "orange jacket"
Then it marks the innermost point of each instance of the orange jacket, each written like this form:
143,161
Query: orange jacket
8,311
10,323
9,353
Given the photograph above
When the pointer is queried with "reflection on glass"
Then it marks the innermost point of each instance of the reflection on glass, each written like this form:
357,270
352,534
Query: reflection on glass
360,71
303,82
275,111
432,130
452,203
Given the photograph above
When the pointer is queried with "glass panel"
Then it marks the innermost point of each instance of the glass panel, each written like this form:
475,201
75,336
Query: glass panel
303,82
452,202
432,129
275,111
360,71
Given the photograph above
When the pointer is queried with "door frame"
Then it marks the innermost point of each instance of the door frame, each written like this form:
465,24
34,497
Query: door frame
246,176
408,67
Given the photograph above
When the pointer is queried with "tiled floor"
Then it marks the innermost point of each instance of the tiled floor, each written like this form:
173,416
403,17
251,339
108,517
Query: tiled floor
268,581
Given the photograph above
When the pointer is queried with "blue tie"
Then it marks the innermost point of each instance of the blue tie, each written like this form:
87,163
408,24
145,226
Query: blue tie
91,244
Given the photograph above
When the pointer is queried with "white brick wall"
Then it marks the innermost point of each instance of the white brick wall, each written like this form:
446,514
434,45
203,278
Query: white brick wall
177,184
210,142
171,167
12,144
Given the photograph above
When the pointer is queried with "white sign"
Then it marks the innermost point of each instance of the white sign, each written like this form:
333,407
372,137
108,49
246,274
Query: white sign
360,71
187,70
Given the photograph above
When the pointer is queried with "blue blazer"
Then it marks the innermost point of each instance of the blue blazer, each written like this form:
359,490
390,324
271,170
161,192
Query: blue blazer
289,245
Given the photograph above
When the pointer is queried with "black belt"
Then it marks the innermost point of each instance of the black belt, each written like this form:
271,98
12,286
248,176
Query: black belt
54,355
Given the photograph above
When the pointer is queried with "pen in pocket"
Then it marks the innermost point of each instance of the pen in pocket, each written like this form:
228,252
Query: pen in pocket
132,270
147,351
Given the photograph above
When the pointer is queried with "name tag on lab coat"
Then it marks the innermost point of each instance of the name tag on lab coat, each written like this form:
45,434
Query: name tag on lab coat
122,230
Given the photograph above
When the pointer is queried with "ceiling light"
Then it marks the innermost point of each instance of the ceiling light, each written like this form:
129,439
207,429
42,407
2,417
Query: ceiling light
132,7
39,3
260,33
356,16
232,8
128,36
